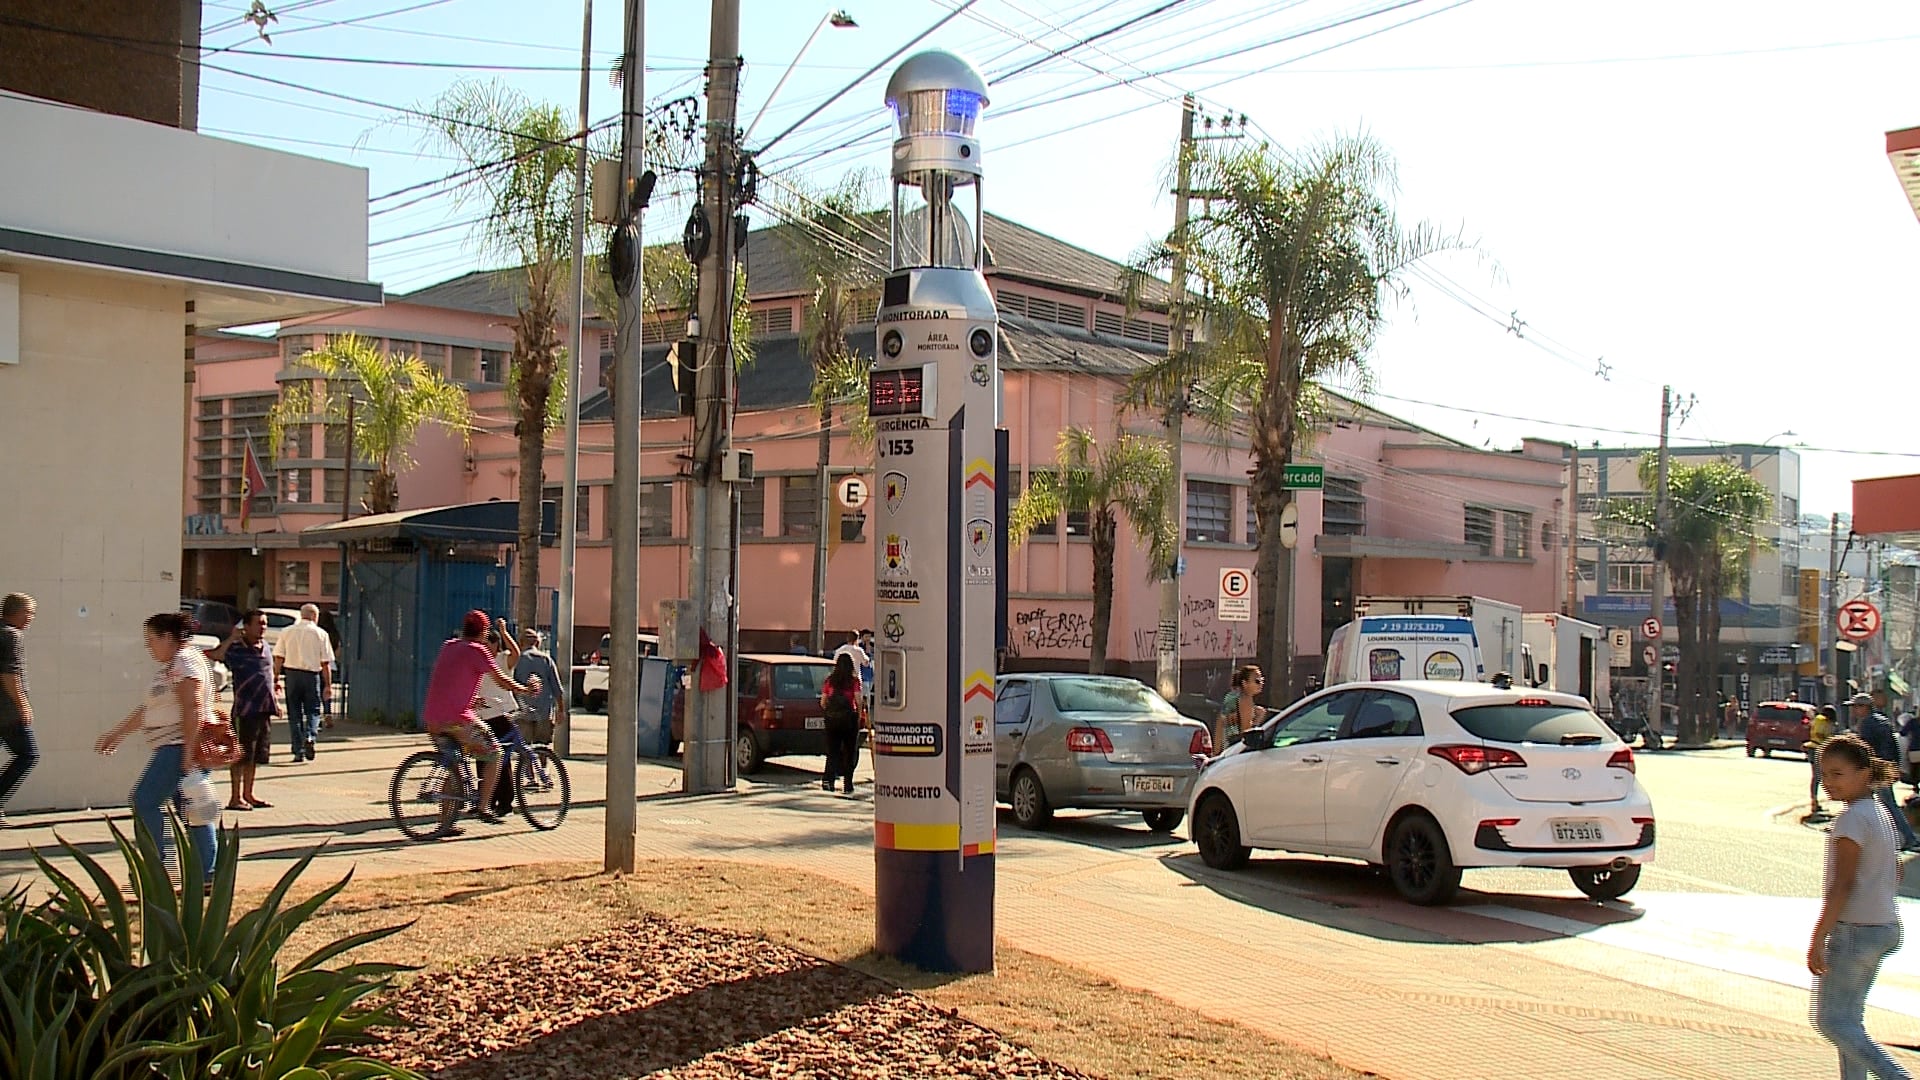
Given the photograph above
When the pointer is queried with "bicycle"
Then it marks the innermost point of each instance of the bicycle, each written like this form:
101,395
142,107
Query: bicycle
426,778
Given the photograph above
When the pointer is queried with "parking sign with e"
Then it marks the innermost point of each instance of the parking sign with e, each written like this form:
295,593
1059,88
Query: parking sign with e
1236,595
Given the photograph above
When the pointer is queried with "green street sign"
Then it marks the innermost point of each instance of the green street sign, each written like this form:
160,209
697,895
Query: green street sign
1303,477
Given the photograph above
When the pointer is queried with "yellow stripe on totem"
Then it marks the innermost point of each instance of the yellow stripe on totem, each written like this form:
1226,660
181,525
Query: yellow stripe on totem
910,837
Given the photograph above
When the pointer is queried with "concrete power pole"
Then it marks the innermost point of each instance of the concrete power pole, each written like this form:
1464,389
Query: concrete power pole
563,643
709,741
1167,666
1827,624
623,675
1656,708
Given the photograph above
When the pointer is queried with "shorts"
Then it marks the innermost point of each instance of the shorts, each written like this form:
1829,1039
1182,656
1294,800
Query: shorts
256,738
473,737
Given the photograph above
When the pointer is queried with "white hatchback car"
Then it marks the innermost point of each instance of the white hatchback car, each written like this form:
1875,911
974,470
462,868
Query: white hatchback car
1425,779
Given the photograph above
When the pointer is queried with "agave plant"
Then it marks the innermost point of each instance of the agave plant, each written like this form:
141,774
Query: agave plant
93,987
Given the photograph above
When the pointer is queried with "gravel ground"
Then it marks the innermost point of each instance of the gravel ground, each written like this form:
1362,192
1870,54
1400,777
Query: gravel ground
661,999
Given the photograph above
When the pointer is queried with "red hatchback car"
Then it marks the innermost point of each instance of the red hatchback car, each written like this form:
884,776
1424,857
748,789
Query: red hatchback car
1779,725
780,709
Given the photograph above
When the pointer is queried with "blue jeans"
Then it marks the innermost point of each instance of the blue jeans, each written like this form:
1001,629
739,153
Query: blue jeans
303,709
1907,839
160,785
1854,954
18,739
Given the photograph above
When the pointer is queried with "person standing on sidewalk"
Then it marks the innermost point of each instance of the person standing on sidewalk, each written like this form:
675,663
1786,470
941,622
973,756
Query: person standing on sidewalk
543,706
1859,923
303,659
1819,732
1877,731
16,712
250,660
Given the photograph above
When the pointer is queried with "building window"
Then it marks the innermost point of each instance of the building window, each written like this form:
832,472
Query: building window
1480,529
1586,569
556,494
1042,309
296,444
1079,523
295,578
1343,511
652,332
1115,325
434,355
866,309
799,505
213,406
1587,503
753,507
1015,485
1209,512
656,509
295,346
330,578
493,366
334,480
296,485
465,366
1630,577
777,319
1517,528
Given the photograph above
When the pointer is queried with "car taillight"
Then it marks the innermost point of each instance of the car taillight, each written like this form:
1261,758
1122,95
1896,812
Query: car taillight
1621,759
1088,740
1478,759
1201,743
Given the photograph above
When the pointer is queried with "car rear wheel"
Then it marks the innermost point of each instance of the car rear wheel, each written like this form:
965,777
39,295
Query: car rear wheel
1165,819
747,756
1030,807
1604,882
1419,863
1216,829
1766,751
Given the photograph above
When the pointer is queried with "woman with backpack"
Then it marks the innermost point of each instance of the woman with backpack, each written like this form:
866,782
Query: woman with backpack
845,703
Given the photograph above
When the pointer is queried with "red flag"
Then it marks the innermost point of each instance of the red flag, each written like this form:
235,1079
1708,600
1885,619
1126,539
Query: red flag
253,483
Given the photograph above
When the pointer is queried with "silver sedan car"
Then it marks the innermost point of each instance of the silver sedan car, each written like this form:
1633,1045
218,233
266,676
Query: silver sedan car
1093,741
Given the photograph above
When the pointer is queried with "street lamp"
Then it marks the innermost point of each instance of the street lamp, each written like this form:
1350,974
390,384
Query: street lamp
1768,441
837,19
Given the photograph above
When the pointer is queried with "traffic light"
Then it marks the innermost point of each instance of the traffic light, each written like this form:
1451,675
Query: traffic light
682,360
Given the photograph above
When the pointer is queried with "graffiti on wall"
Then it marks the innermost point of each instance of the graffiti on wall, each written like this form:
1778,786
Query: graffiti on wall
1040,630
1201,634
1068,632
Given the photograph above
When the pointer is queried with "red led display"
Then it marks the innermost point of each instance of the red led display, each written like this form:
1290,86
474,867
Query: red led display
894,393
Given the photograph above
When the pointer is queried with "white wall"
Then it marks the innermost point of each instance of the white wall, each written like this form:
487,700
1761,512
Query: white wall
92,176
91,490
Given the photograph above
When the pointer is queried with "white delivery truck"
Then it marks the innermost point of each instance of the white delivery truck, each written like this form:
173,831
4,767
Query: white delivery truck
1571,656
1467,638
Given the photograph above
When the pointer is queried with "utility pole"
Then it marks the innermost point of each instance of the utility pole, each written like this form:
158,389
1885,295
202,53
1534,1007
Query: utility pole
1167,666
1827,625
623,675
563,644
1656,697
708,744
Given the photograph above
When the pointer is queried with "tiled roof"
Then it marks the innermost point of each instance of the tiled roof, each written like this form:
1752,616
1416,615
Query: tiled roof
774,269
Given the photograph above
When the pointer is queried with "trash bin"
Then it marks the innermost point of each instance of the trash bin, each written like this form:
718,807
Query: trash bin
659,685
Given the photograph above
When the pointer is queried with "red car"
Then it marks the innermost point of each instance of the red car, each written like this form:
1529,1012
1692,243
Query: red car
780,711
1779,725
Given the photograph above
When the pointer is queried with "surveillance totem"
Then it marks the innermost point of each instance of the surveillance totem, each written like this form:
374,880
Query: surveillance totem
934,400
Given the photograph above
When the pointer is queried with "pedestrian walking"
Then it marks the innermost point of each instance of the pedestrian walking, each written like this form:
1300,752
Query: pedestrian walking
1878,733
1859,924
250,660
178,702
16,711
1825,719
1239,711
542,710
303,660
844,701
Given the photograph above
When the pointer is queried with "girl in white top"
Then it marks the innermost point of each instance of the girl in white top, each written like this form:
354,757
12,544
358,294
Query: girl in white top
178,700
1859,918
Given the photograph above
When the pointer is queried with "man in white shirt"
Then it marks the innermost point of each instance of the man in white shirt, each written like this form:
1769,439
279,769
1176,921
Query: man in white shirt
303,659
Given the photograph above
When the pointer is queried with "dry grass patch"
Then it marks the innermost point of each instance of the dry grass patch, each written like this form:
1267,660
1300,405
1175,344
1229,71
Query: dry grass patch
1065,1014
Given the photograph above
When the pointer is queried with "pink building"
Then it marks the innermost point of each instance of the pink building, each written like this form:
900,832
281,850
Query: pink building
1405,510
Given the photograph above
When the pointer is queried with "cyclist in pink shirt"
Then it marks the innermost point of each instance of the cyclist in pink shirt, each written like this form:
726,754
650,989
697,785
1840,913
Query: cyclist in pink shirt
463,663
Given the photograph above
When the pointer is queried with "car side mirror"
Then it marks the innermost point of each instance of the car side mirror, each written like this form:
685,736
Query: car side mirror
1257,739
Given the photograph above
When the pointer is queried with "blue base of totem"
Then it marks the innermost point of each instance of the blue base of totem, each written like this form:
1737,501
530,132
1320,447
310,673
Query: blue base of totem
934,911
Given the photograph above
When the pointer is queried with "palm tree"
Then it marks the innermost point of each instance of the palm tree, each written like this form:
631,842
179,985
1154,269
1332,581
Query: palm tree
1713,509
394,395
1132,476
1298,260
520,157
826,230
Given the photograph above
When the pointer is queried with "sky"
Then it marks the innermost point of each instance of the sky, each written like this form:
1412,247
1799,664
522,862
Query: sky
1693,195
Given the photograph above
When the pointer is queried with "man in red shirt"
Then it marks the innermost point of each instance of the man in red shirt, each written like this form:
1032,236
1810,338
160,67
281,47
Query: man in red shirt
463,662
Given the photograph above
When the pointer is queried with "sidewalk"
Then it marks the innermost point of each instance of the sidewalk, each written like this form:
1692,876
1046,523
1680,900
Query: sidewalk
1516,987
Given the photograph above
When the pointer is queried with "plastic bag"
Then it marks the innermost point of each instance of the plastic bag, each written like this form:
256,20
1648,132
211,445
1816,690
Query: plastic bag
202,802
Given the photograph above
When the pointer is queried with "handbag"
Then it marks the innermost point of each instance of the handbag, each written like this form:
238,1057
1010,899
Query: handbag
218,745
200,802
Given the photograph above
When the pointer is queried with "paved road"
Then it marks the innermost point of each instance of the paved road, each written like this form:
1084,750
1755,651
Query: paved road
1700,976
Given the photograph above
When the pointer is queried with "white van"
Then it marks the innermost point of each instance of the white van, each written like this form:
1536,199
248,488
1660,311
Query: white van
1376,648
